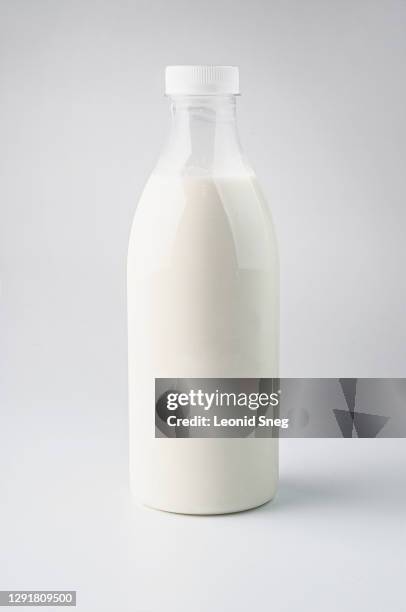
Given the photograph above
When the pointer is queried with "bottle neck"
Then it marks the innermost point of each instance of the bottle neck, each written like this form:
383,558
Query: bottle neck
203,137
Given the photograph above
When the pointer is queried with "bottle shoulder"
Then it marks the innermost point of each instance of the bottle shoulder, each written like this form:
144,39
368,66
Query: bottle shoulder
195,217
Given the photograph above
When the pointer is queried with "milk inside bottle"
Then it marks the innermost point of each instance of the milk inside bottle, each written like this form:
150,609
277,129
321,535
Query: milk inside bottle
203,301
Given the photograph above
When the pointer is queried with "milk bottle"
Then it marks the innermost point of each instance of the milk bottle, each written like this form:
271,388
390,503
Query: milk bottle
203,299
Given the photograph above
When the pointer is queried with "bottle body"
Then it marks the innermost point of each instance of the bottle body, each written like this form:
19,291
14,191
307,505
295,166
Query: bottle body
203,301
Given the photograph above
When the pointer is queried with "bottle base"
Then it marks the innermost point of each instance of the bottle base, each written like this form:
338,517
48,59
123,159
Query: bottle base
209,511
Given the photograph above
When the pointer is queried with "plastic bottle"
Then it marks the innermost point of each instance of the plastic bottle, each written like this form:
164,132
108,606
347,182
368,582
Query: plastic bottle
203,299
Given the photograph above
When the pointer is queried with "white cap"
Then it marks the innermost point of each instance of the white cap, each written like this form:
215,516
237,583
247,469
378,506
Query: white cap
201,80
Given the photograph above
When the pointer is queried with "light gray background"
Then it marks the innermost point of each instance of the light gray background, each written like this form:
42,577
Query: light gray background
82,119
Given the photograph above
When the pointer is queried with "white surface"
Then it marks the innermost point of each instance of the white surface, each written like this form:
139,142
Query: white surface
333,539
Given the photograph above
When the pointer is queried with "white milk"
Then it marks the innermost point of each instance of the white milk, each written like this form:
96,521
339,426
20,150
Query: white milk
202,302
